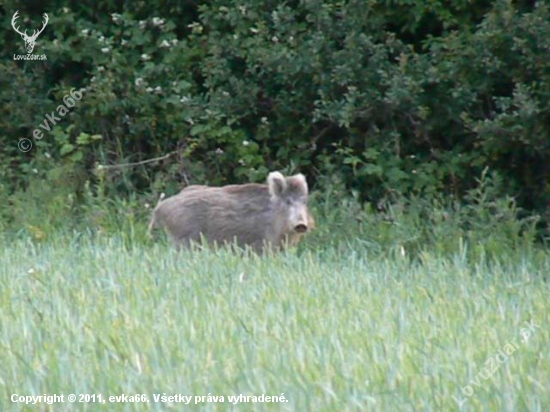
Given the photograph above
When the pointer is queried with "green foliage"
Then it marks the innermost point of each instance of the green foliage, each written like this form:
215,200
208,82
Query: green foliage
396,97
409,228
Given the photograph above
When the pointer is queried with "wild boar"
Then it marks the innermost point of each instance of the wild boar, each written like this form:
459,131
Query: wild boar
261,216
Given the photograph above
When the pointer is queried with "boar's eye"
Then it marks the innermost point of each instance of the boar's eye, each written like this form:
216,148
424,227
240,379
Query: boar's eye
288,202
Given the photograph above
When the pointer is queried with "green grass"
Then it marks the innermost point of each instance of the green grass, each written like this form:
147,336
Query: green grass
334,328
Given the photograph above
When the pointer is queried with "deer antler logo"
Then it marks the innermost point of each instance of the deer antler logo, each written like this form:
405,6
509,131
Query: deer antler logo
29,40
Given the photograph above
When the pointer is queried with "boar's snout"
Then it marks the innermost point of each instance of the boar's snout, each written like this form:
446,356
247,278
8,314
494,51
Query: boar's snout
302,225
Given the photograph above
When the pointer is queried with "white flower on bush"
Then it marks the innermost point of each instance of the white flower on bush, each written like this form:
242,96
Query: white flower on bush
138,82
105,50
165,44
145,57
149,89
115,17
157,21
195,27
85,32
142,24
184,99
174,42
246,143
158,89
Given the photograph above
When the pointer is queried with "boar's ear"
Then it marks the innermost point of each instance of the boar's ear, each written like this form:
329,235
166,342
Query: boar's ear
277,184
301,183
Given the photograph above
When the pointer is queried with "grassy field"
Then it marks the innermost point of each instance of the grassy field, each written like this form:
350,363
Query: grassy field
334,328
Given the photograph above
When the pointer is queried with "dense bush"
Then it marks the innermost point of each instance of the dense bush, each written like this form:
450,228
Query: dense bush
387,97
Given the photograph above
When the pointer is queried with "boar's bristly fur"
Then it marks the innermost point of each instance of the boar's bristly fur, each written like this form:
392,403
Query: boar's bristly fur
272,215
